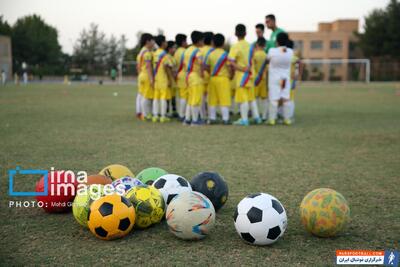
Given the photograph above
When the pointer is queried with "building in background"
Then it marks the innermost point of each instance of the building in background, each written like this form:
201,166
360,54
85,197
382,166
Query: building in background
333,40
6,56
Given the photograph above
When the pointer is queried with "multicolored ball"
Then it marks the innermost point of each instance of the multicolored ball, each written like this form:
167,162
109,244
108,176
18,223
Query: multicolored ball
324,212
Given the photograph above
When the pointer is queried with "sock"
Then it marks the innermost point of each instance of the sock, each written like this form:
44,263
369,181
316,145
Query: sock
272,110
195,113
280,111
254,110
155,107
244,111
259,103
188,112
225,113
203,108
145,106
264,104
171,107
286,110
138,103
292,106
182,107
212,113
232,107
163,107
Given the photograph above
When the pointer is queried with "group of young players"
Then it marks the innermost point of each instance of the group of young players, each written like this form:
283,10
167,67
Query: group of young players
195,80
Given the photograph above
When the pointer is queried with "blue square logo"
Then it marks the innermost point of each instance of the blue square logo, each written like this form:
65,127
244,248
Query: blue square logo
17,170
391,258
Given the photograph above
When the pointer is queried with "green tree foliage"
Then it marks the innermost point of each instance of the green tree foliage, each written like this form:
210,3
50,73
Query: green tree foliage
5,28
96,53
381,35
35,42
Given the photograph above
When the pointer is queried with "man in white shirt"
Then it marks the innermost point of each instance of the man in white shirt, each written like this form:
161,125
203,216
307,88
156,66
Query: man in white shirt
3,77
280,59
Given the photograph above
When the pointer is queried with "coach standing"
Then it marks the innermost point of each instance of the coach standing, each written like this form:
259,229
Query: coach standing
270,21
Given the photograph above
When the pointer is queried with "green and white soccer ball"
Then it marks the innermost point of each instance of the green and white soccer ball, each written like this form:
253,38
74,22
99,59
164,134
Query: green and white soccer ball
81,204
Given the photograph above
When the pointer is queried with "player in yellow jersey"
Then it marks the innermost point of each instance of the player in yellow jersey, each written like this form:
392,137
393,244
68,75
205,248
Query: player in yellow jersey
193,60
181,42
241,61
161,66
260,81
171,48
219,87
145,76
206,50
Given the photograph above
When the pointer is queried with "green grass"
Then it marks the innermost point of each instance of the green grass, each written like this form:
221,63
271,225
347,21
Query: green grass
345,137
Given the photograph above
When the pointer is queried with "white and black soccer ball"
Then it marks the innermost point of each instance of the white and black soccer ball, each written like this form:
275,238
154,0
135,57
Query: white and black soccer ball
171,185
260,219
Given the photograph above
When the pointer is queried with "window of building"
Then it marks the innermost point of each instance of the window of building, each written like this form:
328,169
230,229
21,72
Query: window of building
336,45
298,45
316,45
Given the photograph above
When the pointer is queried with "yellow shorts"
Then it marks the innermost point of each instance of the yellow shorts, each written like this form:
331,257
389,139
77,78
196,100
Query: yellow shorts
143,82
244,94
261,89
145,88
173,92
219,92
161,91
183,93
233,87
195,95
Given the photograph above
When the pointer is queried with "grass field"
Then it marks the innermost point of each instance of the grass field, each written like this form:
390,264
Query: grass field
345,137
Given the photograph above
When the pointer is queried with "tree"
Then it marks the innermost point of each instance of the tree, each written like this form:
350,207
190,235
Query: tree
381,35
90,49
35,42
5,28
112,53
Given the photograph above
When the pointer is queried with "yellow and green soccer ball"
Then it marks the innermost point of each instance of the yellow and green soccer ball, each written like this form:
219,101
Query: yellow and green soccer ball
149,205
81,204
324,212
116,171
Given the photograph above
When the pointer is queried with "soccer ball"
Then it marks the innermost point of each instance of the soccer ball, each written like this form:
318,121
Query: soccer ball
190,215
171,185
116,171
111,217
148,203
324,212
57,200
125,183
81,204
260,219
149,175
213,186
98,179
